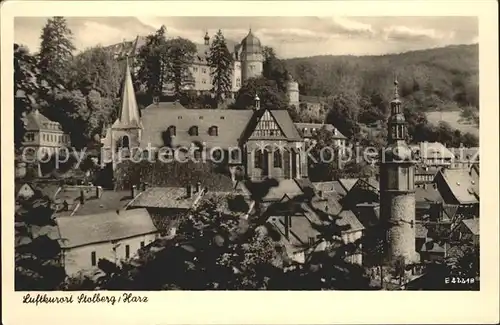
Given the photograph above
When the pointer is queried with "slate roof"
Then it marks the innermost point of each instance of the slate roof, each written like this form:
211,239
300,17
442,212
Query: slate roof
472,225
157,119
164,197
461,185
104,227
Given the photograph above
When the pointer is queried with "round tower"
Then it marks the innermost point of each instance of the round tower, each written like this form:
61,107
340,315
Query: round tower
292,91
397,189
252,58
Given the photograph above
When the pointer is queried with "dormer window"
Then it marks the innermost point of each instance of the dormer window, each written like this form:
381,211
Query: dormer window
213,131
172,130
193,131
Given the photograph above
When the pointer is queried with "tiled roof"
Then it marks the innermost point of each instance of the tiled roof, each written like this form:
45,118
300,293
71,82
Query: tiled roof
285,187
109,201
429,194
286,124
472,225
328,203
104,227
158,118
36,121
348,218
461,184
164,197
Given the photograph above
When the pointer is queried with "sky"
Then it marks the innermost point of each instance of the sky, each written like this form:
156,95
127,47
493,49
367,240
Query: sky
289,36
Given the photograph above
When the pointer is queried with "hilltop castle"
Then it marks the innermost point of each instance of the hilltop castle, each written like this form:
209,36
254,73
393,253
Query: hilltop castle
248,60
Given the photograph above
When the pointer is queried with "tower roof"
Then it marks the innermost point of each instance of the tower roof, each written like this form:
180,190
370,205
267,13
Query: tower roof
129,111
396,92
250,42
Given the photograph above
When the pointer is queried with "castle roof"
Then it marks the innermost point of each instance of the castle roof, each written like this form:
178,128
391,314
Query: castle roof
36,121
251,42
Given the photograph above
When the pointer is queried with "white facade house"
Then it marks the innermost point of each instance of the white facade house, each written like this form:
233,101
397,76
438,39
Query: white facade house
114,236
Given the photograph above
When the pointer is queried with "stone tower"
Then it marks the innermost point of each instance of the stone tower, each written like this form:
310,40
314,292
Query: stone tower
125,133
397,189
292,91
252,58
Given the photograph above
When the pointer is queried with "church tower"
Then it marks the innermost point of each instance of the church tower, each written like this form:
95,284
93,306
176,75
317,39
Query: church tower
125,133
252,58
397,189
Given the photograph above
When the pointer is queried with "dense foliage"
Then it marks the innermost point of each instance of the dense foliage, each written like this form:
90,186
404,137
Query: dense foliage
220,62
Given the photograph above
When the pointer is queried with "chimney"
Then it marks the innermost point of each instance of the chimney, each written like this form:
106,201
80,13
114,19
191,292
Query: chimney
320,193
144,186
82,197
257,102
117,211
98,192
65,206
425,186
198,187
134,191
188,190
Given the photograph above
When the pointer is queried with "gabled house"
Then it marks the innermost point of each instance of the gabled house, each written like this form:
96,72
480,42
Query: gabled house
111,235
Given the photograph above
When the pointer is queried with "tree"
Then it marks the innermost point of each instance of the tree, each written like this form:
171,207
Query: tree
179,56
152,62
56,51
96,69
220,62
325,153
274,68
268,92
28,85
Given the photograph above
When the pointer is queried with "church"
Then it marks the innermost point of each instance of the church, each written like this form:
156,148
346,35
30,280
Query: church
256,143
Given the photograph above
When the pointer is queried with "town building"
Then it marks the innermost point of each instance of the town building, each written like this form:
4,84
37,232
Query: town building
259,143
397,188
43,135
112,235
433,154
308,130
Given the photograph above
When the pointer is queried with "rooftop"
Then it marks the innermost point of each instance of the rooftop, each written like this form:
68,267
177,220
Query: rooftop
104,227
36,121
164,197
472,225
462,186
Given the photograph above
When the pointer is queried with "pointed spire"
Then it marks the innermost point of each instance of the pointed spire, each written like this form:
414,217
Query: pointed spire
129,111
396,88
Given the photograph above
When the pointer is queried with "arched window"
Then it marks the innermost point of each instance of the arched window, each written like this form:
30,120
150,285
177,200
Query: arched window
125,141
193,131
213,131
259,154
172,130
277,159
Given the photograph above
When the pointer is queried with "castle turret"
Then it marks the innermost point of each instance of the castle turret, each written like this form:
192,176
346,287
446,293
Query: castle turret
207,39
252,58
292,91
397,189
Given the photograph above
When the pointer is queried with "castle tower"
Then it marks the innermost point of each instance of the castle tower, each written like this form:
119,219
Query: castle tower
252,58
292,91
397,189
126,131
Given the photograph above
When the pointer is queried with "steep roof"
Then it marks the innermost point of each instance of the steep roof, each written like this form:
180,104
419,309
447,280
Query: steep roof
104,227
128,115
348,183
286,124
348,218
428,195
159,117
472,225
461,185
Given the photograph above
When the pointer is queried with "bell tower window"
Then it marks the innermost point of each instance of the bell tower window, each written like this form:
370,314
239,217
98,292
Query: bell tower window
125,142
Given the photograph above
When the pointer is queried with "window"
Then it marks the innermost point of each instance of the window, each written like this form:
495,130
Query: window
195,69
93,259
277,159
213,131
238,82
193,131
204,70
203,81
127,251
142,244
30,137
258,158
235,155
125,142
312,241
